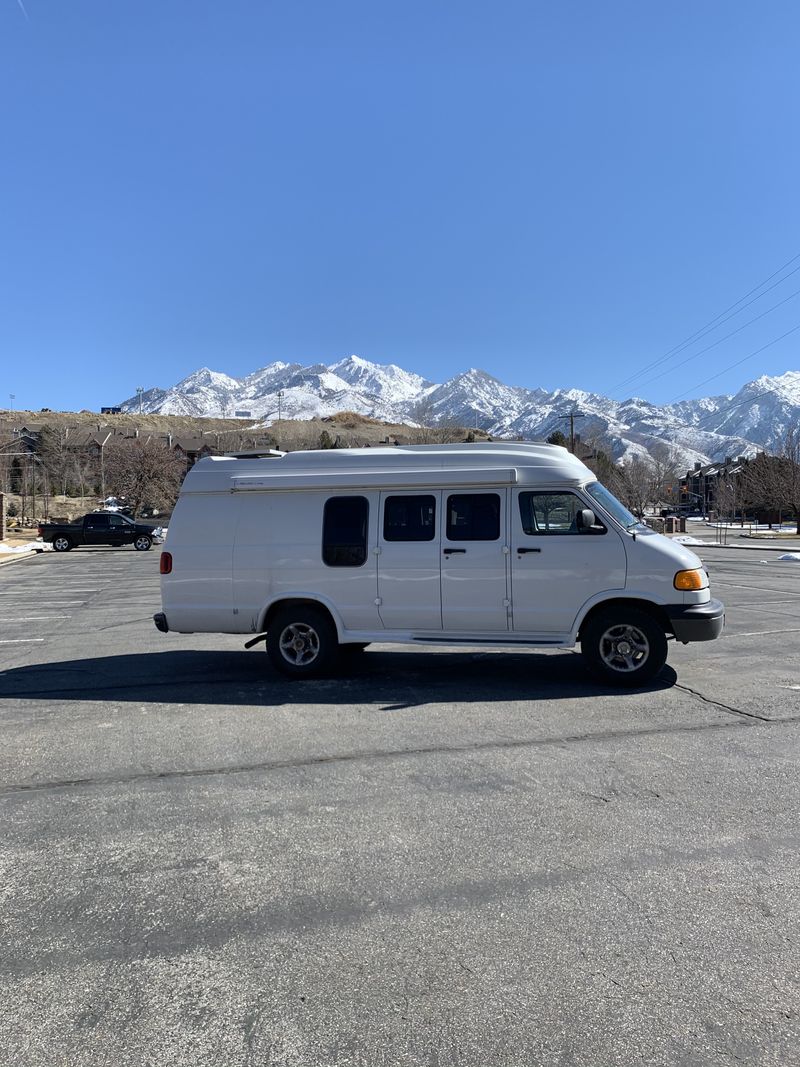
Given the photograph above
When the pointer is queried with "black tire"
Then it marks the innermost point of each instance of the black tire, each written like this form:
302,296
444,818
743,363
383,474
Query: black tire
301,642
142,543
61,544
624,647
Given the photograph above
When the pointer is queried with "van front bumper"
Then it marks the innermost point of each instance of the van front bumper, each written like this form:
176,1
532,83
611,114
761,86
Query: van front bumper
696,622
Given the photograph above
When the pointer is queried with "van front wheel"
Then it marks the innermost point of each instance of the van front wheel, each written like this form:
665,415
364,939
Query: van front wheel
301,642
624,647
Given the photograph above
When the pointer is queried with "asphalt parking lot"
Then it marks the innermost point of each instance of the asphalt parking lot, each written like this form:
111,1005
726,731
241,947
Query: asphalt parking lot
447,859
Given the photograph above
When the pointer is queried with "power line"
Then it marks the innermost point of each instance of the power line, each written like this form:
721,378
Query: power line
705,332
724,411
714,344
713,323
738,363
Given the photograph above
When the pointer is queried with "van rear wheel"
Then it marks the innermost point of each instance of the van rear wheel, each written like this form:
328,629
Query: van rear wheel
301,642
624,647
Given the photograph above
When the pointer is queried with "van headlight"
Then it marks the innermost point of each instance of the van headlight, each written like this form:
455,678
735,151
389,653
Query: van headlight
688,580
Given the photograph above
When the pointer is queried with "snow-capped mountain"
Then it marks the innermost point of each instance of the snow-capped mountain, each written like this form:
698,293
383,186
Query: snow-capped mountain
704,430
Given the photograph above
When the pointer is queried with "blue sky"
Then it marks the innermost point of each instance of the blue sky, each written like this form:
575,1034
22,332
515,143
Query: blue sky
558,193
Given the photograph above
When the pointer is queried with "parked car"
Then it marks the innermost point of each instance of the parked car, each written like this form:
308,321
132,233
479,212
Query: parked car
100,528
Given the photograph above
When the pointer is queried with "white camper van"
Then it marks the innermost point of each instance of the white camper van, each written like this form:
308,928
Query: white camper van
320,553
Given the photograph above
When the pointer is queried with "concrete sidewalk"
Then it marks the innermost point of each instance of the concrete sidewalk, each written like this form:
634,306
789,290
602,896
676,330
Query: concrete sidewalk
735,538
12,548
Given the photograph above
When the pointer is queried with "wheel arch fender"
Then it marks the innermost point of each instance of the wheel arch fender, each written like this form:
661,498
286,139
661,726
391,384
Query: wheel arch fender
656,611
298,599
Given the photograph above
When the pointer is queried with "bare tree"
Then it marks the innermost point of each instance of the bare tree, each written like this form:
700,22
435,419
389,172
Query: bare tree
727,498
56,456
636,484
759,483
446,432
432,430
665,469
600,460
85,473
8,445
773,482
790,472
143,472
650,480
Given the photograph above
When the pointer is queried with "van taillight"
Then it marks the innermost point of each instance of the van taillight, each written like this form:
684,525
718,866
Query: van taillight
165,565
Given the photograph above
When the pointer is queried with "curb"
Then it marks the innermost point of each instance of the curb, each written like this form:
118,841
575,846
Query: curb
750,548
14,557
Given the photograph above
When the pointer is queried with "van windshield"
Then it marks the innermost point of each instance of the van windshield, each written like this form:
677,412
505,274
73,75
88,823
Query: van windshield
609,503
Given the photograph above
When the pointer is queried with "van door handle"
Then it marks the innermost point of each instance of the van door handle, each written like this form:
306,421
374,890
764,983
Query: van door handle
522,551
450,551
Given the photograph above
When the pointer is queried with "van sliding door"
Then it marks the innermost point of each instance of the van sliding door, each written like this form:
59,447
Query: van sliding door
474,555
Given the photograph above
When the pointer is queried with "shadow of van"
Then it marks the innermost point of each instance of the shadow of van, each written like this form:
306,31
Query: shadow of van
394,678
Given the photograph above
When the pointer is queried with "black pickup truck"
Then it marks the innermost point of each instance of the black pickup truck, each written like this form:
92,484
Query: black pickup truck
100,528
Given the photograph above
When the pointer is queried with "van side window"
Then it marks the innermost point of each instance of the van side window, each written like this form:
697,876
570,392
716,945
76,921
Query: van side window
344,531
409,518
473,517
549,513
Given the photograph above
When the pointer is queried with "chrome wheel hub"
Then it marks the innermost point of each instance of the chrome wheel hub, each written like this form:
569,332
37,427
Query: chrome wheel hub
299,644
624,648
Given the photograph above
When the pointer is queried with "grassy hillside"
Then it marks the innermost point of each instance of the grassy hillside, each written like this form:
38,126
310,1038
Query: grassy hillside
349,427
89,420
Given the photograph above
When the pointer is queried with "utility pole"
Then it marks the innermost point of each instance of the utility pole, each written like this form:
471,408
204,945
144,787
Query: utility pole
572,416
279,395
12,397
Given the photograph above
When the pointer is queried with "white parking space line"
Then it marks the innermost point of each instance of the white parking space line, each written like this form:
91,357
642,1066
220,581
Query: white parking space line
38,618
46,602
792,602
23,604
767,609
762,633
44,592
756,588
23,641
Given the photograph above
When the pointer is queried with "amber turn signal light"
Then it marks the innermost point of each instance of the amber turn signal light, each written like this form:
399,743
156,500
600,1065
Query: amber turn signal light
685,580
165,563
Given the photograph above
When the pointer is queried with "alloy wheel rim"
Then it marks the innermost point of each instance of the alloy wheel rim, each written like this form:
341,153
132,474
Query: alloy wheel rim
299,644
624,648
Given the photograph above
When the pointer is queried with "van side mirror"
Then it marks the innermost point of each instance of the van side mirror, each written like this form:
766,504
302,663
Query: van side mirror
585,519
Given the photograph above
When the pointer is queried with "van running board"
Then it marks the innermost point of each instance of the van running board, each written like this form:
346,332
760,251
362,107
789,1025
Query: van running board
478,641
